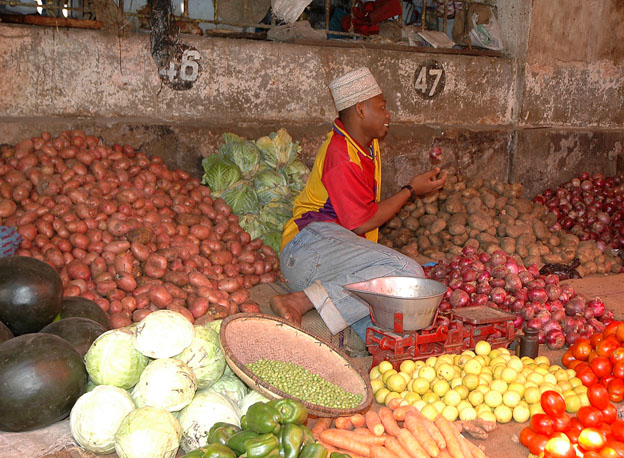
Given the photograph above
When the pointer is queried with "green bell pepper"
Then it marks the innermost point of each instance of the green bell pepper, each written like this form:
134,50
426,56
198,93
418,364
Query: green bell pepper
222,433
339,455
291,439
218,451
262,418
262,446
308,437
194,454
237,441
313,451
291,410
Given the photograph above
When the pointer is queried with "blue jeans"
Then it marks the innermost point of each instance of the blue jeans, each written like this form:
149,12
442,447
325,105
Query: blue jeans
324,257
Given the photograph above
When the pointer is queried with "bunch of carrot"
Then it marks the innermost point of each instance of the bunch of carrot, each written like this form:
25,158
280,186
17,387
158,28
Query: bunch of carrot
400,433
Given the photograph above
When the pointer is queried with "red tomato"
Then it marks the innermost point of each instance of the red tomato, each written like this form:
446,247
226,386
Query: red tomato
617,355
562,422
538,443
595,339
598,396
552,403
604,381
543,424
591,439
617,446
619,332
611,329
601,366
618,369
526,435
591,454
607,346
587,376
608,452
606,429
589,416
559,447
609,414
581,349
617,430
567,358
616,390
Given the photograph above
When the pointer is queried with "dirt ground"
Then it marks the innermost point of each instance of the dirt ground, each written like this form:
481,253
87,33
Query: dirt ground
55,441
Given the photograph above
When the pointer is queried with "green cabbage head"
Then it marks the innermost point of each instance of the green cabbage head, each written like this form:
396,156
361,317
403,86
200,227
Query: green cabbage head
148,432
242,198
278,149
242,152
204,356
219,173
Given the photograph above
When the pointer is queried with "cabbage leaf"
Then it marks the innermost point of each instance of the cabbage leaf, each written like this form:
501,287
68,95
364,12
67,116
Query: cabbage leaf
242,152
242,197
219,173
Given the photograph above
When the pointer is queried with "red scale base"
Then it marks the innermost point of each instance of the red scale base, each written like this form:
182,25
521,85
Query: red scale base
467,326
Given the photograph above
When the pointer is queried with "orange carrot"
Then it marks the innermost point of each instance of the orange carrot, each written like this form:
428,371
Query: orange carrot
401,412
373,423
338,438
411,445
450,437
476,451
417,428
428,425
379,451
395,403
444,454
389,423
343,423
331,449
358,420
321,425
393,444
463,443
367,437
362,431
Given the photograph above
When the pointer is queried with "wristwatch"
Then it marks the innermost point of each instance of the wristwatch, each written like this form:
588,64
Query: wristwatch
411,190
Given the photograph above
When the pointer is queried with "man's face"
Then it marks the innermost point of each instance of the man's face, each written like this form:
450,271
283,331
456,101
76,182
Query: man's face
376,119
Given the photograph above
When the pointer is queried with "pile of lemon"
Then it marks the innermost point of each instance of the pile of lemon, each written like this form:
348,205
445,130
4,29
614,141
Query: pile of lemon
489,384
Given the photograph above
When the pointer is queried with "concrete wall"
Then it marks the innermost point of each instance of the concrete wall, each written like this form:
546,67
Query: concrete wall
547,111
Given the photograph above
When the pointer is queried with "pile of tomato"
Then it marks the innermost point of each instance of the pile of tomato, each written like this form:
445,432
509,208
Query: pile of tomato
595,431
600,359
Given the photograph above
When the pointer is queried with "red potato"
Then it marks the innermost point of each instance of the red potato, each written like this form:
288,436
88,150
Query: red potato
176,278
268,277
199,280
44,228
78,253
129,303
77,226
115,306
240,296
126,282
105,288
221,258
228,284
7,208
120,320
117,246
28,217
96,247
28,231
54,257
142,301
140,251
249,307
199,306
71,291
138,315
81,284
103,303
79,240
117,227
160,296
176,293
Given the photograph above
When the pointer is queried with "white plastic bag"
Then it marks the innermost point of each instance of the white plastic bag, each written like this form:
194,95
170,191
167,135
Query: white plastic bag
488,35
288,10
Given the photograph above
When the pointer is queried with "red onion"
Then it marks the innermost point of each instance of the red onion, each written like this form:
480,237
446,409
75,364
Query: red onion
512,266
512,282
597,307
484,288
469,250
497,282
498,258
469,275
571,338
538,294
575,307
479,299
484,276
518,322
470,288
555,339
459,298
498,295
553,291
444,306
552,325
534,323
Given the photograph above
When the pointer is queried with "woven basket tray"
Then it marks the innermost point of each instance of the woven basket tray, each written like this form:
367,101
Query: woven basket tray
247,337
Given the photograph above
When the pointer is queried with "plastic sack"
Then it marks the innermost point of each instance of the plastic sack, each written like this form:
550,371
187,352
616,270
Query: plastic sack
487,35
288,10
10,240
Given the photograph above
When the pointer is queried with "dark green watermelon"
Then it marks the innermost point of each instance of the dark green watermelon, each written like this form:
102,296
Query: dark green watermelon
41,377
5,333
84,308
30,294
80,332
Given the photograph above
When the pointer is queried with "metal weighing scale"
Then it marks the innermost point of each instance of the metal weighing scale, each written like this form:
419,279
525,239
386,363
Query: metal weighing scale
408,326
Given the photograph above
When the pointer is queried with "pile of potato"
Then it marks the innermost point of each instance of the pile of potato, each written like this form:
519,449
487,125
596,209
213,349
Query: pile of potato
489,215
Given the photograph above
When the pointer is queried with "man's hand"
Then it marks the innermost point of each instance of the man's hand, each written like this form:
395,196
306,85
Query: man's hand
428,182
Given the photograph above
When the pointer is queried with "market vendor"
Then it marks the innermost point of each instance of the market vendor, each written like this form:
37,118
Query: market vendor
331,240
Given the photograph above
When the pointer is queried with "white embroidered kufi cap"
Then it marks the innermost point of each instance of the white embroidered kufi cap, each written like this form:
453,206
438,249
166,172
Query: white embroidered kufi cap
354,87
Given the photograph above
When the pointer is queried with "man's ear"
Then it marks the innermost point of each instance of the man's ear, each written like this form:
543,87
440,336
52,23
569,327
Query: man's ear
359,110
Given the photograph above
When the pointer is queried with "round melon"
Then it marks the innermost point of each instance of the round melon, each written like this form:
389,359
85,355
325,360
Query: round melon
84,308
80,332
42,376
31,292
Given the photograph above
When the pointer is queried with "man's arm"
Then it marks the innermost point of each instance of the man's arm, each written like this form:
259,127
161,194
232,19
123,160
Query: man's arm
387,208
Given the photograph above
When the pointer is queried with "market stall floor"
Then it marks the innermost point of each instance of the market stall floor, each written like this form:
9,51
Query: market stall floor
55,441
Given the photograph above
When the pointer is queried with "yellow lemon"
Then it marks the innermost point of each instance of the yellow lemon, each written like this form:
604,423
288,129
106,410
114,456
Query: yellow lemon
498,370
464,403
517,387
452,398
535,408
499,385
561,375
376,385
487,416
457,381
509,375
430,412
475,398
532,394
467,414
515,363
408,366
580,389
503,414
386,375
419,385
483,347
469,353
511,398
439,405
541,370
446,371
374,373
430,397
542,360
483,388
520,378
390,396
470,381
431,361
440,387
420,363
412,397
406,376
494,353
473,367
381,394
536,378
565,385
450,413
575,381
483,408
419,405
428,373
550,378
396,382
493,398
462,390
571,373
521,413
498,360
384,366
462,360
485,379
573,403
584,399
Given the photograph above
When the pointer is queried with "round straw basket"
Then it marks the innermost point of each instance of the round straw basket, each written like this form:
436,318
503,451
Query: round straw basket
247,337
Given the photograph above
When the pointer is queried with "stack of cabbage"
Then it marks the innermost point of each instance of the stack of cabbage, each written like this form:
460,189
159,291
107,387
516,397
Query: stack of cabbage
260,180
157,385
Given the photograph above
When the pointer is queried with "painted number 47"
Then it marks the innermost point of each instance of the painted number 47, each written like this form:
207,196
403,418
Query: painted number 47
429,81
